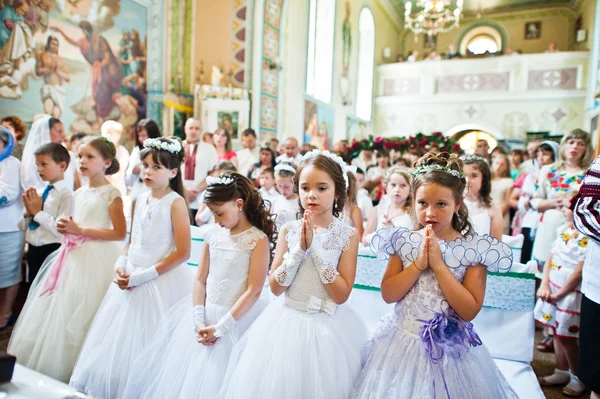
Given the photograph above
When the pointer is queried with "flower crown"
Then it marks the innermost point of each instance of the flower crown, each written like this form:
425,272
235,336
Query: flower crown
212,180
172,146
473,158
286,167
110,143
335,158
439,168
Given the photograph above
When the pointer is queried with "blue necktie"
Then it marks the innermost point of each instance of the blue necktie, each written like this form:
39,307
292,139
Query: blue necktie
32,223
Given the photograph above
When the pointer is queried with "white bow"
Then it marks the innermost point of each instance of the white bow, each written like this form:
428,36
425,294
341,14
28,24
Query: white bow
317,305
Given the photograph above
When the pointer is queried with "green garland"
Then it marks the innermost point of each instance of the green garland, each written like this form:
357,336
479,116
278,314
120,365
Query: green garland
418,145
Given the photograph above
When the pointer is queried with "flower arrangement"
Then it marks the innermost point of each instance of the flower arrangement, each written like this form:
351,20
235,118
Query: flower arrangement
418,145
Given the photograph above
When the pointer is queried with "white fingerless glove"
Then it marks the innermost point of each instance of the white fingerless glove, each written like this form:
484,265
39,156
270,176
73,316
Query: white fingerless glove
121,262
224,325
198,312
327,273
284,274
140,277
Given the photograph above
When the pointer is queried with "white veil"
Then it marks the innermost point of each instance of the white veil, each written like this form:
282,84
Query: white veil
39,134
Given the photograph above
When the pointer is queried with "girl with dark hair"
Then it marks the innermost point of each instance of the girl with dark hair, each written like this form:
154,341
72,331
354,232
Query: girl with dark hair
72,281
145,129
314,340
436,276
189,355
484,215
151,276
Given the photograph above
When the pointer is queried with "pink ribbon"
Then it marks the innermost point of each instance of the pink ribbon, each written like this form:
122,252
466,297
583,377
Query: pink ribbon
68,241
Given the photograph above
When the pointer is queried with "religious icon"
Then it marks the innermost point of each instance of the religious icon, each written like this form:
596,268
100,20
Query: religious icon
533,30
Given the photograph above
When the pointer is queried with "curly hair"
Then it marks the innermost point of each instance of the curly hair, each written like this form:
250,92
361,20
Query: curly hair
481,164
17,124
334,171
170,161
255,208
460,220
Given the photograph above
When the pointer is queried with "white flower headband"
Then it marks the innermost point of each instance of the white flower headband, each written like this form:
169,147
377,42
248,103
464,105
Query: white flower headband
335,158
212,180
439,168
172,146
474,157
286,167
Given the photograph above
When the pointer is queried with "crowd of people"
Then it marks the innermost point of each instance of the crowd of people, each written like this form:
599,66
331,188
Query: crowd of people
129,320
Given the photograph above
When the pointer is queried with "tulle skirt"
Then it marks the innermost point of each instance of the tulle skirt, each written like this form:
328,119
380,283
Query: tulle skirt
51,328
175,365
290,354
122,329
397,366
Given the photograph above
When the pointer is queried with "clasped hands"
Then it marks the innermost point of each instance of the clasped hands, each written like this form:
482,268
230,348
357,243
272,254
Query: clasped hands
33,202
206,334
430,254
307,231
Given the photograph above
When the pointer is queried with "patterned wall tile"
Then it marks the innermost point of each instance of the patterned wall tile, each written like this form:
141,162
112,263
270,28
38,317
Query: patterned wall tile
270,78
553,79
474,82
238,41
401,87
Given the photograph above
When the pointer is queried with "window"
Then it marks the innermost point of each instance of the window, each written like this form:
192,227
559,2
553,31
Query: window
481,44
319,71
366,59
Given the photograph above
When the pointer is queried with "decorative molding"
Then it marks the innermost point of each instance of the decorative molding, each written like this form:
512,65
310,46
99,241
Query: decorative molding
401,86
552,79
240,37
473,82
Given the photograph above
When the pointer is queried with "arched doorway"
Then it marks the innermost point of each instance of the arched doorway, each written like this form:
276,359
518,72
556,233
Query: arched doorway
467,136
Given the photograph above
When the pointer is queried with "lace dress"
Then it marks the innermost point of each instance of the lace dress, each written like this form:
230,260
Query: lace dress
127,319
423,349
174,364
479,217
304,346
52,327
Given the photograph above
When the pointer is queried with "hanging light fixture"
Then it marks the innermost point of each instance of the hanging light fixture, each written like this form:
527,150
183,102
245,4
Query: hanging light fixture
434,17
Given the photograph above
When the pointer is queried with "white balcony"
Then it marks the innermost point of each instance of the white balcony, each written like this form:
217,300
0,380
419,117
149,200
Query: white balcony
507,96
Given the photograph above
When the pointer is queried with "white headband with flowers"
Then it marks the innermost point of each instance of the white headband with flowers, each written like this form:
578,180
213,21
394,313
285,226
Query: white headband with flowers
337,159
172,146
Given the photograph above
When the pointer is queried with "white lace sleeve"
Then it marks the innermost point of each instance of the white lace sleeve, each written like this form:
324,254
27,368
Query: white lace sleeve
327,271
285,273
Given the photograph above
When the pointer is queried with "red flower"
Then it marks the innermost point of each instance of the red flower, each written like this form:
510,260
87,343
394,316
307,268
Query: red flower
423,142
379,140
388,145
437,134
456,147
356,145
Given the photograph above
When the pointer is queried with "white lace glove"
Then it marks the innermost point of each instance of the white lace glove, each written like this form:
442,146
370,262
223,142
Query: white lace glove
121,262
198,316
140,277
327,273
285,273
224,325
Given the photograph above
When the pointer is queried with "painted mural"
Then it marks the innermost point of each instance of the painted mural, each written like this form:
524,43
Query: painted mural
82,61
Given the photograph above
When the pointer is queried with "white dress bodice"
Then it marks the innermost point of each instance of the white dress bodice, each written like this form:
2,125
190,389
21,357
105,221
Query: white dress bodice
285,209
91,206
403,220
425,298
479,216
152,236
229,263
334,240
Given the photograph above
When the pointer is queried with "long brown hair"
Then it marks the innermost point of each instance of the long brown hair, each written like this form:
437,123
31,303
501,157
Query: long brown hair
226,133
334,171
107,151
460,220
480,163
169,160
351,192
405,173
255,208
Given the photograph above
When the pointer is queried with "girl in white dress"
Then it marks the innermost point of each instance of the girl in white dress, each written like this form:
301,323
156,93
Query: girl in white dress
307,345
70,285
484,215
189,355
145,129
285,207
502,185
352,215
150,276
394,208
427,347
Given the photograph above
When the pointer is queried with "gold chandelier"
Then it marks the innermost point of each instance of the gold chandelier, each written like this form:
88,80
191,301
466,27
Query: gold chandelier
434,17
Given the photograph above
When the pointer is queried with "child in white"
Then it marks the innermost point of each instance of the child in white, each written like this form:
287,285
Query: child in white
307,345
285,207
69,288
559,303
150,276
362,195
484,215
426,348
267,186
189,355
394,208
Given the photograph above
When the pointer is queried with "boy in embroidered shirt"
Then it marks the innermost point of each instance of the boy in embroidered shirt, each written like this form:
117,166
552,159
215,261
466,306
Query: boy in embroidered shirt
267,185
41,213
362,196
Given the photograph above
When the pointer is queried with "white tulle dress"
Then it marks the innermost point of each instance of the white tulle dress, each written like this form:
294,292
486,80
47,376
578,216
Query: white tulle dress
127,319
174,364
304,346
423,349
52,327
